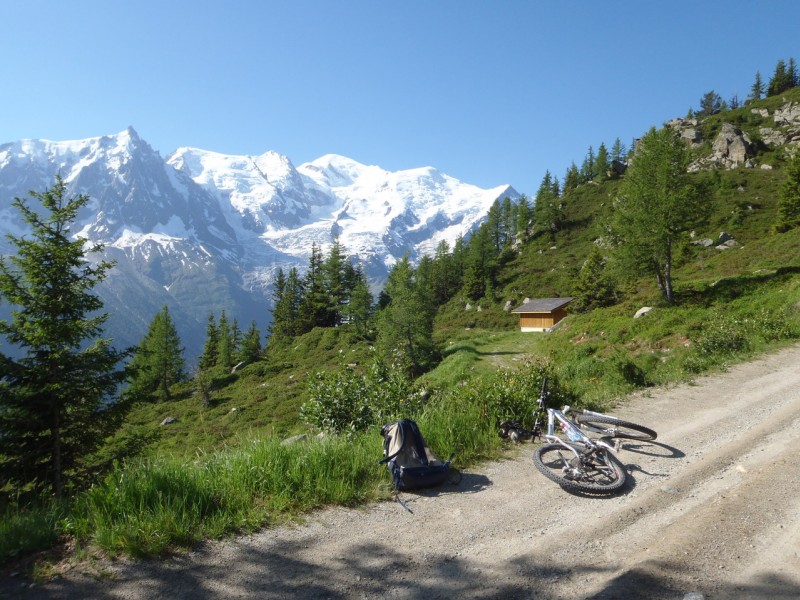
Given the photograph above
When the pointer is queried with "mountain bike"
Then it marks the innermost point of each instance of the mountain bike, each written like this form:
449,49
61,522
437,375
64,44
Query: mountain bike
578,463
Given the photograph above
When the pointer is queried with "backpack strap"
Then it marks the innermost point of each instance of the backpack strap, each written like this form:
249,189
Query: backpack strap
401,433
418,443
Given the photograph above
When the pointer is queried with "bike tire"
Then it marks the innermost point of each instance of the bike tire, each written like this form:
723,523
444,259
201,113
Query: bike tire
614,427
602,473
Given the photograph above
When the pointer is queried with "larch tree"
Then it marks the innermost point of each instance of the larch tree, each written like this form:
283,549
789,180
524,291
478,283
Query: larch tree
57,402
657,205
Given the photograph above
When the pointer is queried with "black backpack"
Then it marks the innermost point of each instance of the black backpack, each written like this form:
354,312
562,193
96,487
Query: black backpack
412,464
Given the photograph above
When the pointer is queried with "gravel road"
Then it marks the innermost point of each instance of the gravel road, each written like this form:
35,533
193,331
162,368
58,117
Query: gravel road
713,512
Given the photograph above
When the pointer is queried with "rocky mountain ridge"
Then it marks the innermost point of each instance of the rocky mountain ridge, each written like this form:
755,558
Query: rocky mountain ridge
204,232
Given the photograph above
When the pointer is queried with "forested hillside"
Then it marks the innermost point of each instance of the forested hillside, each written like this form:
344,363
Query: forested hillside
697,222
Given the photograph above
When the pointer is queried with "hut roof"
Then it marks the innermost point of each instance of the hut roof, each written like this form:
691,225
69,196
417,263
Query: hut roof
540,305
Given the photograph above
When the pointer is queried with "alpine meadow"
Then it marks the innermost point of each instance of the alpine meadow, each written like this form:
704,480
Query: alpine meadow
677,252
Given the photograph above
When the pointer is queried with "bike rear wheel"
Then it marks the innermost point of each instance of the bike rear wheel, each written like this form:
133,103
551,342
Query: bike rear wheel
598,472
614,427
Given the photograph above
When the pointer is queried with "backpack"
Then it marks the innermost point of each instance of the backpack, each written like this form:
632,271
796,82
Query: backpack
411,463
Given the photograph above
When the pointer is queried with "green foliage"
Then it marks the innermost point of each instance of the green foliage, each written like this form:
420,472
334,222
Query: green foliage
157,362
405,331
345,401
56,401
27,530
657,204
788,215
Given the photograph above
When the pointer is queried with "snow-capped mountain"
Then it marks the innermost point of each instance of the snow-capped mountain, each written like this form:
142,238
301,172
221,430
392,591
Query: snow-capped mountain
204,232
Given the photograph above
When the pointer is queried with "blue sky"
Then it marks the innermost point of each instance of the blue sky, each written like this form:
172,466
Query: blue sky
489,92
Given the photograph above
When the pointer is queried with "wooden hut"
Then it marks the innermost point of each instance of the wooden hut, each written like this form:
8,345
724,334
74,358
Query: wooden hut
541,314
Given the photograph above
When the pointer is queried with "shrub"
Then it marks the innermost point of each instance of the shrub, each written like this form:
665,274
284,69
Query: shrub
346,401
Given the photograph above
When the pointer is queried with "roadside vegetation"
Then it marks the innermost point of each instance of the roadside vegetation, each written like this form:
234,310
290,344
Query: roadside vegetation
206,454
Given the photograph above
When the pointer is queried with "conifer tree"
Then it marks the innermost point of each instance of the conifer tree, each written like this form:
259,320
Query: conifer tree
158,362
359,309
210,353
781,80
316,306
601,163
789,203
288,297
572,179
250,350
226,349
758,89
593,287
618,151
524,218
657,205
334,275
57,401
588,171
405,333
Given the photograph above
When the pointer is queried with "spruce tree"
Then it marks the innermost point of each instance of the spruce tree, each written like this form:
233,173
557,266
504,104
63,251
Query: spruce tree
781,80
618,151
211,347
57,401
158,362
405,333
359,309
226,349
250,350
601,163
758,89
316,307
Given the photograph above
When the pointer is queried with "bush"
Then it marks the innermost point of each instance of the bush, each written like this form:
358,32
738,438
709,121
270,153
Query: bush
347,402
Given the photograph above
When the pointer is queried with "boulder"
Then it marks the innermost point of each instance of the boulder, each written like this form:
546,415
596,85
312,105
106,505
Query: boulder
169,421
772,137
642,312
788,114
732,147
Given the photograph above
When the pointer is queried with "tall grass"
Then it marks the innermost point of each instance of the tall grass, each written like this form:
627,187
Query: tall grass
153,507
24,530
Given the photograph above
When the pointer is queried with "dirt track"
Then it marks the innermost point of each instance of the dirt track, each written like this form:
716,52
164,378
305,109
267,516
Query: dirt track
713,510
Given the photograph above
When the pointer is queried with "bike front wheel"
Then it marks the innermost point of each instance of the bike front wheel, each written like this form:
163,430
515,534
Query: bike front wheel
596,472
614,427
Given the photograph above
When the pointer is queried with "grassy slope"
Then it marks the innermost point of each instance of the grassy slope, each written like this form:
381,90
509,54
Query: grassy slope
267,395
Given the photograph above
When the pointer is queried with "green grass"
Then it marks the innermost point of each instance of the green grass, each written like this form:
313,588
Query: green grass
222,469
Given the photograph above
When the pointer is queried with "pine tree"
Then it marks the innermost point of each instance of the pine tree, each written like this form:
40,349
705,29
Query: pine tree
286,319
572,179
601,163
359,309
226,349
250,350
158,362
618,151
593,288
524,218
781,80
588,171
57,401
316,307
758,89
405,333
334,275
710,104
788,216
211,347
793,80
